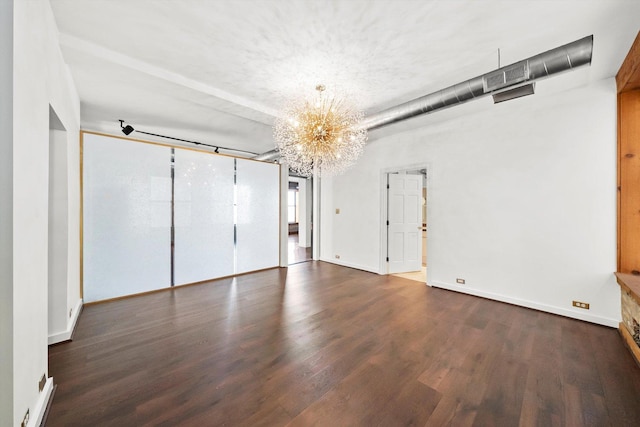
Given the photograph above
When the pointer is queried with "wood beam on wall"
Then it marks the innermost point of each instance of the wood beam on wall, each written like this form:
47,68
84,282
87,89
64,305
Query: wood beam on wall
628,77
628,85
629,182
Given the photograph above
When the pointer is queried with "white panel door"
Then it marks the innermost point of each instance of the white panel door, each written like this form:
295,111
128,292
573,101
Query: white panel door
405,223
258,215
203,209
126,217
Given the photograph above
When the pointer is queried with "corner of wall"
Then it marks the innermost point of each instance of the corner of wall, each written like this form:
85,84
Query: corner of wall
67,334
600,320
40,78
39,409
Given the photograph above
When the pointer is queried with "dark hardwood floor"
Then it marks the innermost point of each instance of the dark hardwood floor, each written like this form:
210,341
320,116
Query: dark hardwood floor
319,344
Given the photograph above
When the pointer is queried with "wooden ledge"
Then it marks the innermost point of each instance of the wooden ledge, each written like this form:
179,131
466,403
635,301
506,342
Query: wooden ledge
631,284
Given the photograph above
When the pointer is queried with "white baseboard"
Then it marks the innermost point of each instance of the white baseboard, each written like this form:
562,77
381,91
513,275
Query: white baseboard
600,320
71,326
35,417
348,264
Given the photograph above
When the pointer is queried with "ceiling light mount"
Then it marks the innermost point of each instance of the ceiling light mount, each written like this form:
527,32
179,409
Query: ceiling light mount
126,129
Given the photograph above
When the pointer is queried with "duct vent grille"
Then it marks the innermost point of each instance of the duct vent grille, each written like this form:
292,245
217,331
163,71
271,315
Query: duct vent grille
512,93
493,81
516,74
506,76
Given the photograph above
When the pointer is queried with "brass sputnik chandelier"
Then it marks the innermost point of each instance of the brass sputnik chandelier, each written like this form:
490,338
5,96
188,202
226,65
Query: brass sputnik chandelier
321,136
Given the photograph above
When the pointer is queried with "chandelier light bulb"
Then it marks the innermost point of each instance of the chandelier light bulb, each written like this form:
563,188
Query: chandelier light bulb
311,135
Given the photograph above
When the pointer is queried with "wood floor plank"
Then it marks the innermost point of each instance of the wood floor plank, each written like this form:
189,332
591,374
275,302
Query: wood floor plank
319,344
575,348
573,406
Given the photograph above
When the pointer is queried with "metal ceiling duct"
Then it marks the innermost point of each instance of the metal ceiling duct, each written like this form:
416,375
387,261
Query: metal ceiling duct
267,155
554,61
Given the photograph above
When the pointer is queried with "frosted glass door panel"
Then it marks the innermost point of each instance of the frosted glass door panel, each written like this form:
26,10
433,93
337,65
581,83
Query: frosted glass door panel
203,216
126,217
258,215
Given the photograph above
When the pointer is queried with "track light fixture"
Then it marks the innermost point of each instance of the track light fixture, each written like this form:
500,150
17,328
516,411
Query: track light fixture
128,129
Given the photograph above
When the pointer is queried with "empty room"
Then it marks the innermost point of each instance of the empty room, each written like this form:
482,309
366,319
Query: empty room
319,213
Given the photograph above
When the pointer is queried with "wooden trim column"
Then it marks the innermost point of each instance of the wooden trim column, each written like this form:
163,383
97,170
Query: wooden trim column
628,84
629,182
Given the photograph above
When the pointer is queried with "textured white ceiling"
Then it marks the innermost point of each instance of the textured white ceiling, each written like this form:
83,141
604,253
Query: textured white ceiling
218,70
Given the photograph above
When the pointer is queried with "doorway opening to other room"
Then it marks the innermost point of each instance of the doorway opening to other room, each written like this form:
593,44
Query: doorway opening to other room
405,223
299,213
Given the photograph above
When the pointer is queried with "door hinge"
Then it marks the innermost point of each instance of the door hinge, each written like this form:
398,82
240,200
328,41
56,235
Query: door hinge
387,223
387,259
388,186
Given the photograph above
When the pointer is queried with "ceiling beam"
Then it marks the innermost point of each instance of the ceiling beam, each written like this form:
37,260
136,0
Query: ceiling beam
266,114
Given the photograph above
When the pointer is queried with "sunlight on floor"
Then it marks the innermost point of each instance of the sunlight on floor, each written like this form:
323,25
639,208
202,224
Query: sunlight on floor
418,276
296,253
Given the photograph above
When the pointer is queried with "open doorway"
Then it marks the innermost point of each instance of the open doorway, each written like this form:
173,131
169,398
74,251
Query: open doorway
406,223
299,214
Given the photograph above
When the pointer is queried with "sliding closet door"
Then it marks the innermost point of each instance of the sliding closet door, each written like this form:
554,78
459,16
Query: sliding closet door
126,217
204,247
258,215
224,211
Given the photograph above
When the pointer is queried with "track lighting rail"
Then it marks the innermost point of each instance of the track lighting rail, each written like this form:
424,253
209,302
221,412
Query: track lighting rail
128,129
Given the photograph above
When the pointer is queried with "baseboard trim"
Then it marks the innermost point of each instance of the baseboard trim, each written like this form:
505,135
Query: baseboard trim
43,423
600,320
348,264
173,288
35,420
71,326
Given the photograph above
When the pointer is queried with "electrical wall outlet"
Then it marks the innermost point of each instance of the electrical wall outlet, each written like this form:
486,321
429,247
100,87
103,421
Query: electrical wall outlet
461,281
337,256
579,304
70,311
42,382
337,210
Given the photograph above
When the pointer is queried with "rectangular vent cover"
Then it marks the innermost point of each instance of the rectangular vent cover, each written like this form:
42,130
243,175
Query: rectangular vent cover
507,76
517,92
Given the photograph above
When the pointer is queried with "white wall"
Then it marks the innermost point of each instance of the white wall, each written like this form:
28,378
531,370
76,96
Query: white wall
64,232
6,212
40,79
58,232
521,202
